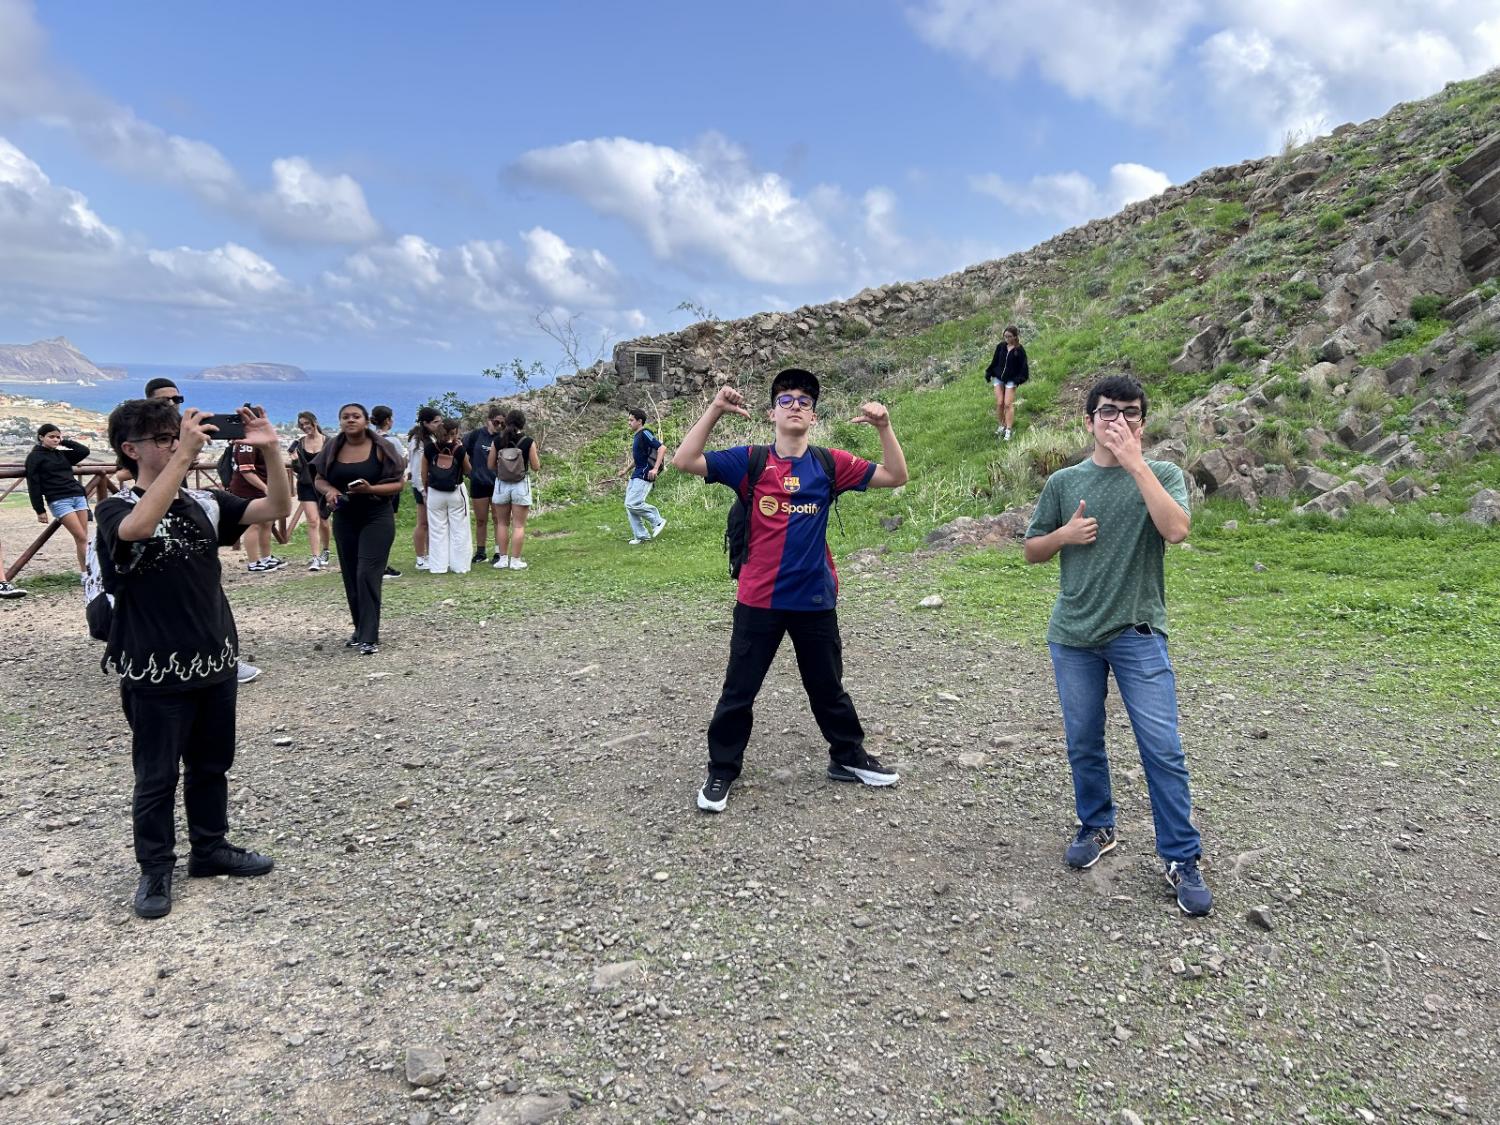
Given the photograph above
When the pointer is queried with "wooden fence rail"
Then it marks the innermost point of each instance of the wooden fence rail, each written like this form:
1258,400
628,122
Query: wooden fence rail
98,485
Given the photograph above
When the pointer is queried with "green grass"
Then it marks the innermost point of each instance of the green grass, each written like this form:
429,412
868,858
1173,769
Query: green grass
1416,340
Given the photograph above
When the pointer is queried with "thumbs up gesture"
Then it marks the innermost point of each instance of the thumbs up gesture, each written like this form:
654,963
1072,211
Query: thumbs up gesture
1080,529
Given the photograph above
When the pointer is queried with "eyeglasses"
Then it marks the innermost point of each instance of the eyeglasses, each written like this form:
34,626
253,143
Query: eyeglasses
795,400
1109,412
161,441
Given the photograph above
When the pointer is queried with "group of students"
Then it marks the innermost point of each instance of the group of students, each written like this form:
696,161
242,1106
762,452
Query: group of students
1109,518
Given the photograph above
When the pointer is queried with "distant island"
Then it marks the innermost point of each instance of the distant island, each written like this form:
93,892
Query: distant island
51,361
254,373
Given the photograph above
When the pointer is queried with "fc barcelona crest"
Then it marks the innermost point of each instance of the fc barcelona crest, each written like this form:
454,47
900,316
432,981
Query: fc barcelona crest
791,484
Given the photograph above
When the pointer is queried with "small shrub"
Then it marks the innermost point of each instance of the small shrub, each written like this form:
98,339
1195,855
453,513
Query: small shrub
1368,400
1484,341
1401,329
1246,348
1295,293
851,329
1229,216
1175,263
1428,304
1096,286
1489,289
1330,221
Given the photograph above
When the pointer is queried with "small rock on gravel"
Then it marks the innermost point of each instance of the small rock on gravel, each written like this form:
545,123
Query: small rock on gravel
611,976
1260,916
425,1066
528,1109
931,601
973,759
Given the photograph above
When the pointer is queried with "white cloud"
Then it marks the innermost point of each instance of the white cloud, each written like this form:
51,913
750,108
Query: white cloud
565,275
1114,52
1297,68
1072,196
304,205
53,244
705,206
1285,65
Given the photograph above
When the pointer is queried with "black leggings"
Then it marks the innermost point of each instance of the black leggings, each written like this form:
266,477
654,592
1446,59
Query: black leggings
364,543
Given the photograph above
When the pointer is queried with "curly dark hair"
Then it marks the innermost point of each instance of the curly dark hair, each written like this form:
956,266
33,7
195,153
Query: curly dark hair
136,419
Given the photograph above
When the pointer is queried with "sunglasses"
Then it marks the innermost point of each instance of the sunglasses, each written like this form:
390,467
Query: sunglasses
175,400
795,400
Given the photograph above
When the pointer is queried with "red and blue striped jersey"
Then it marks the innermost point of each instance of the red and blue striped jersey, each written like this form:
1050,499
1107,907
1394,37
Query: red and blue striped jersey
788,564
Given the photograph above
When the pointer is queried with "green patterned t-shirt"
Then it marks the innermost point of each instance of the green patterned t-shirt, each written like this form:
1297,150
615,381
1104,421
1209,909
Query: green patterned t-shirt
1116,581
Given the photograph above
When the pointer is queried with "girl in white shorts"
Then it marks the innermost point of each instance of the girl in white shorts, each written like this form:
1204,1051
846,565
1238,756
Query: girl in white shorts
513,458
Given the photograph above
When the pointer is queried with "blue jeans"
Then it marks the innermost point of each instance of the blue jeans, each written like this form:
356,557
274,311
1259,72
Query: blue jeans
643,516
1148,687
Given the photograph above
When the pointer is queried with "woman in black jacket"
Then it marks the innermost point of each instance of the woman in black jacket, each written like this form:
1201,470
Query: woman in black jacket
1007,371
49,477
358,474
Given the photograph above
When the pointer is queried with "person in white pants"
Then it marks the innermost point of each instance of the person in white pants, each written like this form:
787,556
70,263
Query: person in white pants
449,541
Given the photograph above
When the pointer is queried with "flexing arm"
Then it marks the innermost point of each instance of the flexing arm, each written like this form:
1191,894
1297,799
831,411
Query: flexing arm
689,456
891,472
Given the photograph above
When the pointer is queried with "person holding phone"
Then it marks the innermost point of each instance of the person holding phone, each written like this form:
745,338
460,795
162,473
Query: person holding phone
358,475
163,388
172,636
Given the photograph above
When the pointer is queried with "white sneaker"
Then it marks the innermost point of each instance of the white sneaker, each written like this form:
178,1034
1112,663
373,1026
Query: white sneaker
519,564
315,563
422,563
636,541
502,563
1006,436
658,529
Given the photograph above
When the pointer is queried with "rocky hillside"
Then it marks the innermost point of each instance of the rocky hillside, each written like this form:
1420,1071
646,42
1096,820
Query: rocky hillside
49,361
1329,308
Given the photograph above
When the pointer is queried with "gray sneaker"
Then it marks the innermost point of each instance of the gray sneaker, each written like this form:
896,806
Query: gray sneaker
246,673
1089,845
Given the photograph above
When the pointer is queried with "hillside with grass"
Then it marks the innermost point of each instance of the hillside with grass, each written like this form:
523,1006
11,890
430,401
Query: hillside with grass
1319,335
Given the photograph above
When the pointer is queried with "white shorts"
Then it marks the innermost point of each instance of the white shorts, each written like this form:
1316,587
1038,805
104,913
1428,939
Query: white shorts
512,492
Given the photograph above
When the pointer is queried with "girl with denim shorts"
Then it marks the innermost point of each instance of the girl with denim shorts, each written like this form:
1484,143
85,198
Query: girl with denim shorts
49,477
511,500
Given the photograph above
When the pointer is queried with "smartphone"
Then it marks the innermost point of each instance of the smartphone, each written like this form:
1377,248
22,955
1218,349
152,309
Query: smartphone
228,426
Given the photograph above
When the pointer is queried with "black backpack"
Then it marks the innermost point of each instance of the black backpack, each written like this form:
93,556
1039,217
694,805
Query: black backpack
737,526
226,465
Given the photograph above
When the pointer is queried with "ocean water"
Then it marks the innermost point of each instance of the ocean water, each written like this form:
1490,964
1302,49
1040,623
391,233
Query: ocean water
323,392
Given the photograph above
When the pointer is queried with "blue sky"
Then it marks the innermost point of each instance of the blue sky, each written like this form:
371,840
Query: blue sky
387,186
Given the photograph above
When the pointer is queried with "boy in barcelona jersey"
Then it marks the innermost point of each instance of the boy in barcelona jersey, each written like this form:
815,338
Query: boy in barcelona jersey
1111,517
787,582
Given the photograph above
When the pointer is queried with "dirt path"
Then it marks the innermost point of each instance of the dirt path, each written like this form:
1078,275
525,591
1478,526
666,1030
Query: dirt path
491,851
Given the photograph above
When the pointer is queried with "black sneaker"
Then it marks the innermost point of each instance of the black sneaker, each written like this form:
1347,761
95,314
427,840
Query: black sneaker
368,649
353,641
391,572
869,772
226,859
495,557
1193,895
1088,846
153,894
715,793
478,556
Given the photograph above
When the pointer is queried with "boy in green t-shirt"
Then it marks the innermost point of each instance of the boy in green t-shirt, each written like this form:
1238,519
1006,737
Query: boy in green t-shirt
1111,517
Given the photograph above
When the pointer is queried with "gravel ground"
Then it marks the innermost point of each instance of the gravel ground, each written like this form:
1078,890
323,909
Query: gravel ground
494,900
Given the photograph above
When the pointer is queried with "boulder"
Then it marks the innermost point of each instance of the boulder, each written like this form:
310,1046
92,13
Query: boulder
1406,489
1198,354
1336,502
1319,378
1212,470
1314,482
1484,508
